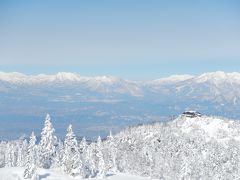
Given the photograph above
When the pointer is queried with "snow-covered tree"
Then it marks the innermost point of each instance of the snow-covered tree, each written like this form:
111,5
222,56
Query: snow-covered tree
30,171
3,149
83,146
101,164
90,160
83,153
9,161
47,144
72,163
22,148
11,155
59,155
112,151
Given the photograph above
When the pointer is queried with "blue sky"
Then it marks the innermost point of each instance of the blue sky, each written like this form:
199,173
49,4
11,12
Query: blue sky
130,39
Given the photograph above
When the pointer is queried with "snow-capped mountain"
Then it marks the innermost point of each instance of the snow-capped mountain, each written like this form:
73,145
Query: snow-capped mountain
100,84
213,84
208,92
111,101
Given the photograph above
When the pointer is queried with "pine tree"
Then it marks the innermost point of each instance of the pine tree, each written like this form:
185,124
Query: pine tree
101,164
32,149
47,144
9,158
90,162
72,163
112,152
30,171
3,150
83,146
59,155
83,153
22,149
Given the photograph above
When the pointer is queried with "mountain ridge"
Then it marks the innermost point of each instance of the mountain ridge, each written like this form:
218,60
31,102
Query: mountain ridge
20,78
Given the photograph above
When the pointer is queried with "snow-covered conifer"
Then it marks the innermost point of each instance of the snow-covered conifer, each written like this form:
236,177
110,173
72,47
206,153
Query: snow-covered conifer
30,171
83,146
101,164
83,153
90,161
72,163
59,155
47,144
9,160
112,150
31,153
3,150
22,149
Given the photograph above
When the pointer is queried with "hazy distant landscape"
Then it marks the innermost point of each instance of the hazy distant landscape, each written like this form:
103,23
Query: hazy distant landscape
96,105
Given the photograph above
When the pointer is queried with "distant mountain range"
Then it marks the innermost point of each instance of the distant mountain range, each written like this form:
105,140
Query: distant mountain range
112,102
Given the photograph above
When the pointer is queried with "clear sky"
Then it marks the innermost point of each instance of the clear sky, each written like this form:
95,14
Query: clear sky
132,39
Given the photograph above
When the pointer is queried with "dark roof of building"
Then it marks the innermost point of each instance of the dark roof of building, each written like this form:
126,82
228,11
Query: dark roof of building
192,114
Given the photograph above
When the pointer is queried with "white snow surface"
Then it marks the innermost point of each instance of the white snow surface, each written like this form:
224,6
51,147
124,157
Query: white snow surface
15,173
212,126
219,77
172,79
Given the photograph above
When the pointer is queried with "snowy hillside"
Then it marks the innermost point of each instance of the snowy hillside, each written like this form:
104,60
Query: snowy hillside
45,174
199,147
185,148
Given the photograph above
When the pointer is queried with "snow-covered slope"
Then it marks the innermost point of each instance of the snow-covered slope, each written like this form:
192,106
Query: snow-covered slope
171,79
211,127
17,172
185,148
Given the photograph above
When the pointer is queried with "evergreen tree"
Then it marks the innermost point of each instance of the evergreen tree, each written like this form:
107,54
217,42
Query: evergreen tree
22,149
101,164
83,153
31,171
3,150
72,163
8,155
31,153
59,155
11,154
90,162
83,146
112,150
47,144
